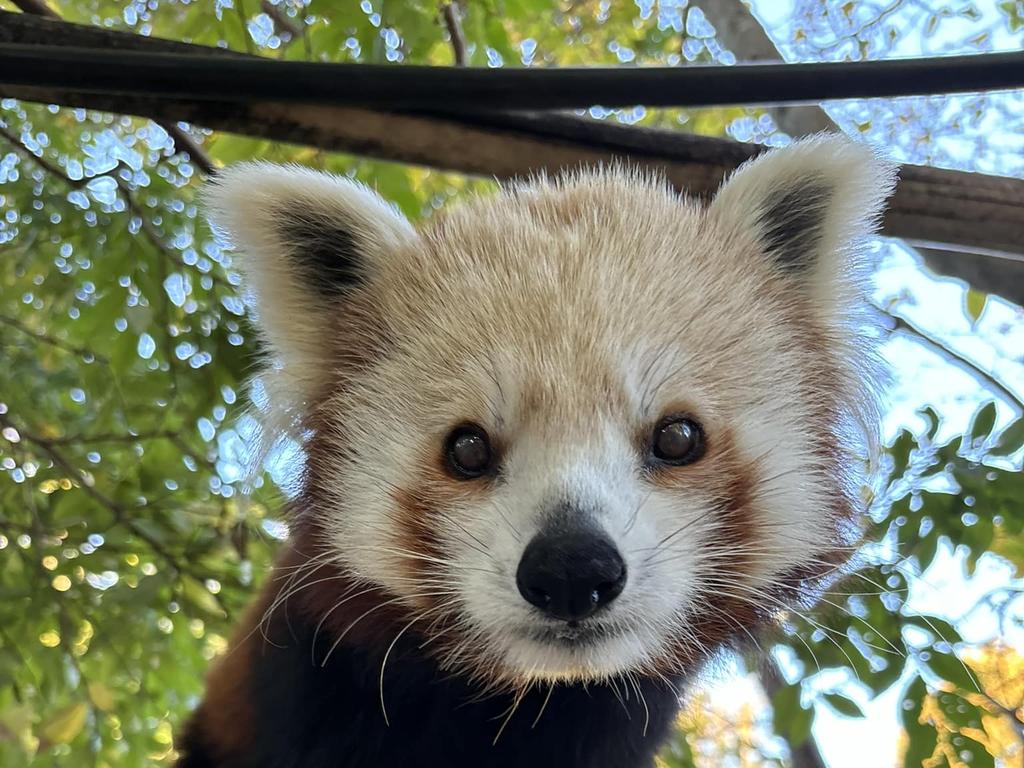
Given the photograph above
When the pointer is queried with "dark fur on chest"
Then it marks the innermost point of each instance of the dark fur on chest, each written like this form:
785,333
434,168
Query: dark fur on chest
305,715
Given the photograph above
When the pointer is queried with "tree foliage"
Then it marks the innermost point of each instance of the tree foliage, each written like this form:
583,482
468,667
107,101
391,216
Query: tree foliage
130,536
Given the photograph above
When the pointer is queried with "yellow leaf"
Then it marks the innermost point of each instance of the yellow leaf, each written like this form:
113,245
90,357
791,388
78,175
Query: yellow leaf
976,301
66,723
101,696
197,594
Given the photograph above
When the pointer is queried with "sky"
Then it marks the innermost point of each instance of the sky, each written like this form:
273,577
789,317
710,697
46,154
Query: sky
921,376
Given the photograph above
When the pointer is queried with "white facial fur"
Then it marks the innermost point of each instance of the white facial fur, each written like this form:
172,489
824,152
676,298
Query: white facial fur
566,318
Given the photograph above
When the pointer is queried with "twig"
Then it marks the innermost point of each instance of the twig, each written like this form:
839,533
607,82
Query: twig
126,195
899,323
147,229
36,7
52,341
113,438
450,13
42,162
280,19
121,514
183,141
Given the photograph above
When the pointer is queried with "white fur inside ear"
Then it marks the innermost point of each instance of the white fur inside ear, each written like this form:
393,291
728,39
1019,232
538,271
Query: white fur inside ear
808,205
258,206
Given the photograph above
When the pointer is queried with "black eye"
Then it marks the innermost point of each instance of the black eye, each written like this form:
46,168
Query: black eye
468,452
677,441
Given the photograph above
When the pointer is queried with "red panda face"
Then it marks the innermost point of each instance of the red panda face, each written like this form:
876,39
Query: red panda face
583,428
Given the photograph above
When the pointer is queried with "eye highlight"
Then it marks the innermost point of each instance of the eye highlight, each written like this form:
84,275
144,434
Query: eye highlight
677,440
468,452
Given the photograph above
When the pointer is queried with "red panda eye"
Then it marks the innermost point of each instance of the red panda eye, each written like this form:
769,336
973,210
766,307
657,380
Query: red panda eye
677,441
468,452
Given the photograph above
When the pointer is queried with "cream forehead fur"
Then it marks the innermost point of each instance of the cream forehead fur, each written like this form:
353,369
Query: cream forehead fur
569,313
249,201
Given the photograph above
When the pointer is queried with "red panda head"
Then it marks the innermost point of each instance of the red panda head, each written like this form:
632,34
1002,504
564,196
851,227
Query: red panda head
584,427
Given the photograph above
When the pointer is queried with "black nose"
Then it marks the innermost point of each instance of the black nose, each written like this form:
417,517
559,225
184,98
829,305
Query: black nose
570,574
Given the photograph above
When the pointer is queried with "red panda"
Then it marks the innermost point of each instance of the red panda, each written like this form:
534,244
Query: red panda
561,445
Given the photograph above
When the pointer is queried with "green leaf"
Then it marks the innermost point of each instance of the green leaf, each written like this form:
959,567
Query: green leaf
973,753
950,668
843,705
1012,10
65,724
959,711
975,301
197,594
940,629
984,420
922,738
1011,439
791,720
933,419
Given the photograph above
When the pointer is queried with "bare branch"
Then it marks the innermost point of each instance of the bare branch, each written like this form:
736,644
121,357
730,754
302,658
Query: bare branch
898,323
450,13
150,233
807,754
971,212
51,340
281,19
114,438
739,31
39,160
36,7
1002,277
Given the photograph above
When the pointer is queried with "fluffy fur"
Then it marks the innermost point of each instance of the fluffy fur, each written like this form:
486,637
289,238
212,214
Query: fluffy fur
566,318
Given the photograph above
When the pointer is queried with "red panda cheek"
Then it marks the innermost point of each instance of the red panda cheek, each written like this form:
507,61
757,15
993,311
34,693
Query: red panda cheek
423,511
417,540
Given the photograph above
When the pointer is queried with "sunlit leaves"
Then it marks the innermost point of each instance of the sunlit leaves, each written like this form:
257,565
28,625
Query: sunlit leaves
792,720
124,551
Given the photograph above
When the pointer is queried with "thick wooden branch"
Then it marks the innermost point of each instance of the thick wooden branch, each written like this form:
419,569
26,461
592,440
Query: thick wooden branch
738,30
932,207
183,142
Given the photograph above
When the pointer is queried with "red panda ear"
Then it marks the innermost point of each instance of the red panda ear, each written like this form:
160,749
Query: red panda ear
807,205
304,239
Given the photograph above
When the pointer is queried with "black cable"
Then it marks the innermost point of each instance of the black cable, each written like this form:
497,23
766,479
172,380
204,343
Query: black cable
460,89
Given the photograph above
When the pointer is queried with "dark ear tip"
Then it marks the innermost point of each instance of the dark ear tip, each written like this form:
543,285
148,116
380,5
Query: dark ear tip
792,225
326,254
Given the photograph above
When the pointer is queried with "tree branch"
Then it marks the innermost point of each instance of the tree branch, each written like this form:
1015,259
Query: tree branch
281,20
39,160
970,212
183,142
899,323
37,7
450,14
807,754
114,437
13,322
739,31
